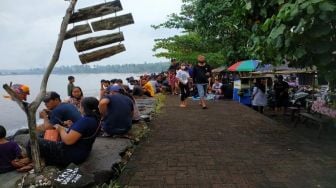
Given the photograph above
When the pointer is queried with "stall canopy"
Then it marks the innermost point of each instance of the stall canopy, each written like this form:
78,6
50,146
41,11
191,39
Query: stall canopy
219,69
283,69
244,66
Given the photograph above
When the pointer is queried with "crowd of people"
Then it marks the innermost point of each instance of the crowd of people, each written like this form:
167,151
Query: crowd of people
77,121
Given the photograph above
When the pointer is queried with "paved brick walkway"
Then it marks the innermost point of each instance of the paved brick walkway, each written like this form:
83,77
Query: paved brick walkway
227,145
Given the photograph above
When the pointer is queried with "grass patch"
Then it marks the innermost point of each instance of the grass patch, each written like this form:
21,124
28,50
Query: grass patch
160,101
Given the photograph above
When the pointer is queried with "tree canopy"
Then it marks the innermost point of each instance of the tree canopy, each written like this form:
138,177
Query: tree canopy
302,32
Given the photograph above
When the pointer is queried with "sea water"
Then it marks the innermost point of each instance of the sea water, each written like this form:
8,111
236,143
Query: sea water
11,115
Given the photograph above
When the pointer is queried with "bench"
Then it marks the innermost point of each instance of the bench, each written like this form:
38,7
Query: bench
294,110
309,116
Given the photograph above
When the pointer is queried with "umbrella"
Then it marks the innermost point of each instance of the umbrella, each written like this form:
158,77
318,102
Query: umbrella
247,65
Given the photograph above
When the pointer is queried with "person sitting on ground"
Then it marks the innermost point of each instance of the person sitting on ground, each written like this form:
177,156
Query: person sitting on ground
76,141
103,85
113,82
76,97
21,90
57,112
147,88
11,157
71,85
122,85
137,91
117,112
154,83
136,113
217,89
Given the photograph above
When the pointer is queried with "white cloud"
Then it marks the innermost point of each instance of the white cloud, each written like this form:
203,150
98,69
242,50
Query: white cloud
29,31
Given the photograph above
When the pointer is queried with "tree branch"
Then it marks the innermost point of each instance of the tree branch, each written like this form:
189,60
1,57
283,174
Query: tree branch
15,97
35,104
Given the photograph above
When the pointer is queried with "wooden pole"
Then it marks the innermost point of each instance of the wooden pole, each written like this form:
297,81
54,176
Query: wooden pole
30,109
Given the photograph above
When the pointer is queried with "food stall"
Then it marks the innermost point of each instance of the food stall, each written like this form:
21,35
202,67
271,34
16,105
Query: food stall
242,87
242,91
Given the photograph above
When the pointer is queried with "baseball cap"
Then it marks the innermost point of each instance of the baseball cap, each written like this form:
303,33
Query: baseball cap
114,88
51,95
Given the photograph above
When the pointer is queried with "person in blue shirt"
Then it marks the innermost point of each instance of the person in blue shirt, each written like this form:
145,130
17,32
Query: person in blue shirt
76,140
117,111
57,112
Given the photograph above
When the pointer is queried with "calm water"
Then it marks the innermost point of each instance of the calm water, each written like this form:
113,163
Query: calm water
11,115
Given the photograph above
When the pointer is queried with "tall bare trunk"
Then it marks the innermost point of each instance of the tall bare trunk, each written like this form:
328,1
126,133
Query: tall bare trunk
31,109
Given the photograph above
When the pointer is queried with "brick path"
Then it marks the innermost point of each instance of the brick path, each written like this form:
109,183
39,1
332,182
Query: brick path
227,145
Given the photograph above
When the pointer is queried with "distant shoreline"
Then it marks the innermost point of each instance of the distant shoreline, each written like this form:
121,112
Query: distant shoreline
97,69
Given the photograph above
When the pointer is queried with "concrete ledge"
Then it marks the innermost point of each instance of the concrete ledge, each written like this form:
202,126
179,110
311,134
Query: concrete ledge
104,155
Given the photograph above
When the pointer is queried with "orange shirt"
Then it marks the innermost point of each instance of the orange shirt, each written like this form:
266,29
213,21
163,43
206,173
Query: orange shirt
148,87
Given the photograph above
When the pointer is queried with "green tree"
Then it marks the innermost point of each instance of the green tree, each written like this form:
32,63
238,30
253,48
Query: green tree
303,32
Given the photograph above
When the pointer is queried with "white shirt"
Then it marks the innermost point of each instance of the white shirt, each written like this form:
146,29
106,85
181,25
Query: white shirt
182,76
259,98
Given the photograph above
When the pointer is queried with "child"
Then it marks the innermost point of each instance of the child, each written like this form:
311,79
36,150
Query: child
71,85
10,154
183,78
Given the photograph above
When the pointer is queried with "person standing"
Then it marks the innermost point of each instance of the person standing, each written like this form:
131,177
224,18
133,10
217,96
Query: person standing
281,93
172,76
201,76
71,85
259,99
182,76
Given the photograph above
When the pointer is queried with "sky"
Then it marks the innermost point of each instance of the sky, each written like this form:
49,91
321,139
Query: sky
29,31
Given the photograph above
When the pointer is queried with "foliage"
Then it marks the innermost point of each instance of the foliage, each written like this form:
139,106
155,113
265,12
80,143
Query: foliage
160,101
303,32
113,184
207,25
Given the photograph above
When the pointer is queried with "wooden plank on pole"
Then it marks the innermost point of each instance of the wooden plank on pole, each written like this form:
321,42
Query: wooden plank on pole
112,23
94,42
78,30
96,11
101,54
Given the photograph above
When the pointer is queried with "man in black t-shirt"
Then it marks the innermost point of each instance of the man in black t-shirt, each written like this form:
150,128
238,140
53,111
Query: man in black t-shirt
281,93
201,75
